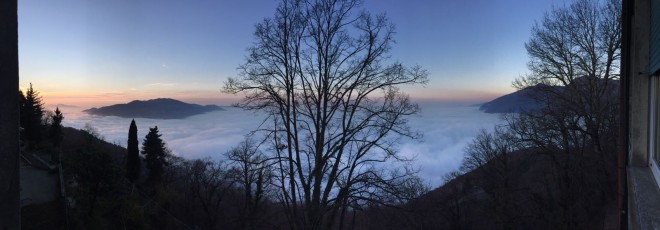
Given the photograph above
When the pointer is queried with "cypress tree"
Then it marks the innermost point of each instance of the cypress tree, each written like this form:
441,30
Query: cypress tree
153,150
133,155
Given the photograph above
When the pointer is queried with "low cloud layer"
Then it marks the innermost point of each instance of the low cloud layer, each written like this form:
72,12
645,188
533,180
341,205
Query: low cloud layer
447,130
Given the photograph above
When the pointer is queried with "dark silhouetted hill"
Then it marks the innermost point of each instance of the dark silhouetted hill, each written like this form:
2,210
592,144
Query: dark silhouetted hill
161,108
516,102
518,191
527,99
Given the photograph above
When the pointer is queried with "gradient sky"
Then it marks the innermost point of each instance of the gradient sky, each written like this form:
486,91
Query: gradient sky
93,52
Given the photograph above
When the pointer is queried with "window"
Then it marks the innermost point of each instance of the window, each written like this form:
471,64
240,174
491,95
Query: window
654,46
654,124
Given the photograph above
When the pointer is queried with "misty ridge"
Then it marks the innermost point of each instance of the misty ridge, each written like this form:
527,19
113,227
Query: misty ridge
208,135
161,108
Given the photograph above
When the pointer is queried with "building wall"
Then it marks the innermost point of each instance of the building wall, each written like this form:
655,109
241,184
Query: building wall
9,168
639,84
643,194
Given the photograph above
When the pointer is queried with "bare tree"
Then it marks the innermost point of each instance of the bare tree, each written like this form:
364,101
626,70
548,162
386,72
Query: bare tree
321,72
574,62
487,147
574,57
251,169
452,207
582,39
578,47
207,184
490,157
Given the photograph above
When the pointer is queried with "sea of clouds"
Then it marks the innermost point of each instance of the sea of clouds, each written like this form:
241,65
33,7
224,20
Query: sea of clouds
447,129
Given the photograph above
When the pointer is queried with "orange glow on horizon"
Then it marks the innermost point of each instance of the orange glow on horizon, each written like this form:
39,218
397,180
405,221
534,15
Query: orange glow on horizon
91,97
97,99
458,95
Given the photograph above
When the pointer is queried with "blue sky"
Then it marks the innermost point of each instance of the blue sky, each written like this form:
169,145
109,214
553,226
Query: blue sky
92,52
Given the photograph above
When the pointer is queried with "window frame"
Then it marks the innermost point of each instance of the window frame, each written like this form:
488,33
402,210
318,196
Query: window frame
654,126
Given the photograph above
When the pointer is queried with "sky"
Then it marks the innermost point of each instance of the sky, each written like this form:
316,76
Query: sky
94,53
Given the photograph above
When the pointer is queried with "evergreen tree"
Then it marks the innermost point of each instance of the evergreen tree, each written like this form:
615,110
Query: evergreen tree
153,150
21,99
56,133
31,114
133,156
56,127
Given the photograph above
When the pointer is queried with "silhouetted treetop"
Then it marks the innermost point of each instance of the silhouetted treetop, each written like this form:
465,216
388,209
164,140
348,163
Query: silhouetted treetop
133,154
154,151
32,112
322,71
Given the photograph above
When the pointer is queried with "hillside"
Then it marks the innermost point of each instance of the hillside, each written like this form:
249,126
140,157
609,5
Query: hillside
516,102
161,108
530,98
512,194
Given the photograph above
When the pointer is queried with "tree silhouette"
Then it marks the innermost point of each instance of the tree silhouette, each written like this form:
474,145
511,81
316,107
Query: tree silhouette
322,72
31,115
133,155
153,150
208,184
55,132
56,127
574,54
94,170
490,154
21,99
254,177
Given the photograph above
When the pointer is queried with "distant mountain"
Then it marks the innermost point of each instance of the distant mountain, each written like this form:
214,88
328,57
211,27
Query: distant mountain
62,105
161,108
516,102
527,99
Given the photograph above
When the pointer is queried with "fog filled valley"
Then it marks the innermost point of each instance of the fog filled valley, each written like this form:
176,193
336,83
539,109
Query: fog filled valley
446,127
467,164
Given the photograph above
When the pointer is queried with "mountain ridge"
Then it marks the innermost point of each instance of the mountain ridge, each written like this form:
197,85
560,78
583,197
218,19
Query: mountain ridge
159,108
516,102
531,98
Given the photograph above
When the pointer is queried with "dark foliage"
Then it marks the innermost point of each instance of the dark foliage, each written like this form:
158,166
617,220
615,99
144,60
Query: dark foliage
21,99
31,114
153,149
551,167
102,198
56,128
254,176
43,216
55,134
133,154
94,170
